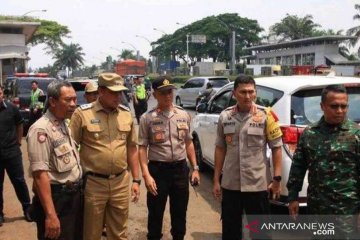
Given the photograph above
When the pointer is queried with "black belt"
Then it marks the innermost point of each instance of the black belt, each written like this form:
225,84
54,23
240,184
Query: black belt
100,175
68,186
168,164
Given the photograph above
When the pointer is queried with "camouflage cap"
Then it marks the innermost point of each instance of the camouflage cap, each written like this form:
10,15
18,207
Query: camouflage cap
112,81
91,87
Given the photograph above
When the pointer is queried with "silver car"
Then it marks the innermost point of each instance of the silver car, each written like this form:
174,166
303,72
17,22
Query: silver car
188,93
296,101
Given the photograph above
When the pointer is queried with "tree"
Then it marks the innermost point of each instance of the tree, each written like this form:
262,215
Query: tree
293,27
49,33
69,56
217,30
355,31
127,54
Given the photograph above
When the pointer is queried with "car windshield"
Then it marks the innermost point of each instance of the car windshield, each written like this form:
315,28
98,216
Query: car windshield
25,85
80,91
305,106
218,82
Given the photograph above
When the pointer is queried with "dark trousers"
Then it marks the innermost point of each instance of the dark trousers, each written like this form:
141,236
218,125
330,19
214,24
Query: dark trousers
171,180
233,205
140,108
68,204
34,116
11,162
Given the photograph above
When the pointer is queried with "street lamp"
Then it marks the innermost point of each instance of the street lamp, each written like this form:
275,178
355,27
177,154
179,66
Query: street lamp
231,45
187,47
42,10
156,29
137,51
153,65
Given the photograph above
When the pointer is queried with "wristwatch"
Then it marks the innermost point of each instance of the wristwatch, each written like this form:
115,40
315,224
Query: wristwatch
196,168
277,178
138,181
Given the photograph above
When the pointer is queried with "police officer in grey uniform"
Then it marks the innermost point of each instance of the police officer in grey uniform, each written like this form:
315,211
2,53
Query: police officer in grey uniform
55,165
164,143
243,134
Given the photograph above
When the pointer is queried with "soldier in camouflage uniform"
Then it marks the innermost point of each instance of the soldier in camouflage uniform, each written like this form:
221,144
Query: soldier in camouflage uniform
330,151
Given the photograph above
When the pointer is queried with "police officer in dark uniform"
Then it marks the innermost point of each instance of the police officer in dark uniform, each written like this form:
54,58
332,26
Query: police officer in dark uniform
164,143
55,166
11,131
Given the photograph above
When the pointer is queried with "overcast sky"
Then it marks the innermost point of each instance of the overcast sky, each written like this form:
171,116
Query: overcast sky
98,25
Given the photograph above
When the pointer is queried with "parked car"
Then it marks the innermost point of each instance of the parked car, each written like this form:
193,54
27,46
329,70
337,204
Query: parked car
18,91
79,86
188,93
295,100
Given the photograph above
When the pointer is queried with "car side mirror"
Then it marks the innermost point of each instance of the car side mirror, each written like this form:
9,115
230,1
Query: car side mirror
42,98
201,108
182,86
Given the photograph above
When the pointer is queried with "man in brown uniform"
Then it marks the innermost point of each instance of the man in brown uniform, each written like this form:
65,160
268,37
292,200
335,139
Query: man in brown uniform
243,134
105,131
55,165
165,132
91,92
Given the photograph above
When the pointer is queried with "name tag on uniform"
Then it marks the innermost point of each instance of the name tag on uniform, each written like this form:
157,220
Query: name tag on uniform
95,121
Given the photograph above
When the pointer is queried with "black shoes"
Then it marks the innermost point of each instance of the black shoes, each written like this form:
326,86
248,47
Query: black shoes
27,214
1,219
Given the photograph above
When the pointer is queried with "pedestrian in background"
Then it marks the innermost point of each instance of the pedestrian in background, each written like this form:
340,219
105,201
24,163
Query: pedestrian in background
55,166
243,134
139,98
330,151
11,132
36,106
91,92
105,131
164,143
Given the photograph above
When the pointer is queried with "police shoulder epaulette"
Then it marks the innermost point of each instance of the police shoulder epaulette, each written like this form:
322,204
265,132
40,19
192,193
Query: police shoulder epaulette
86,106
230,108
124,107
179,107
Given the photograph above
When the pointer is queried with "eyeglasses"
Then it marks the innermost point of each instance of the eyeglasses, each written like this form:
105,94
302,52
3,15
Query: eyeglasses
337,106
244,92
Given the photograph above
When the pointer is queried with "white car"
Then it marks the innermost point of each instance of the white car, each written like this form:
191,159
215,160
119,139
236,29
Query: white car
295,100
189,92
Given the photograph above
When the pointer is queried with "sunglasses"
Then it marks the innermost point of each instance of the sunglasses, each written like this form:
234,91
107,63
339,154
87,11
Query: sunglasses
337,106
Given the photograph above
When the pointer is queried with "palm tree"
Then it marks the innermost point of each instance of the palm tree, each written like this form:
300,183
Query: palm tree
355,31
69,56
127,54
293,27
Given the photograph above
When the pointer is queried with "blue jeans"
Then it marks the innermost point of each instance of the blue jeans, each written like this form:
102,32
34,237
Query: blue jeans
11,162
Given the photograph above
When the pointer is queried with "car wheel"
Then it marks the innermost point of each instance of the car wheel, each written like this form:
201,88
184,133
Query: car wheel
198,153
178,101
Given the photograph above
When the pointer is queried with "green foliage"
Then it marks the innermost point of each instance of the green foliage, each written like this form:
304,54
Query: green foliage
70,56
293,27
218,32
49,33
355,31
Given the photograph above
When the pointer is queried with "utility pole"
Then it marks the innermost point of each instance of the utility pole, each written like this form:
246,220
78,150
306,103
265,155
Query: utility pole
153,59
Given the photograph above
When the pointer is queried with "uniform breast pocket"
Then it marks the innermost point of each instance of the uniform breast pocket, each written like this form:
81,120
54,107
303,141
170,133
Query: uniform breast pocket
65,159
256,137
231,138
158,134
123,131
95,131
183,130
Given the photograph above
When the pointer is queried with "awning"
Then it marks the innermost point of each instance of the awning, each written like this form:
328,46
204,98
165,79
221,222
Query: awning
335,58
13,55
13,52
